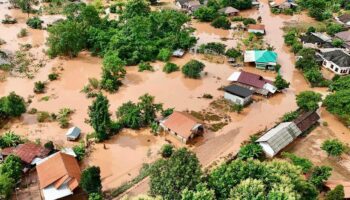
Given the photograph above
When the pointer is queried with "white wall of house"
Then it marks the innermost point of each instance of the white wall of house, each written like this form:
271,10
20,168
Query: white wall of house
236,99
267,149
256,31
335,68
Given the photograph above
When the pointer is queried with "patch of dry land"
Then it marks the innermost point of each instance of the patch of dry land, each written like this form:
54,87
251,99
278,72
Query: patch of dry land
121,157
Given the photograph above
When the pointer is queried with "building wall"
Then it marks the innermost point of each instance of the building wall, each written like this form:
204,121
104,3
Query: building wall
237,99
335,68
267,149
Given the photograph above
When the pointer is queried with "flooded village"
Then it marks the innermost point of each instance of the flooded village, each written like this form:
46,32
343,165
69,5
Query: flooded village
252,89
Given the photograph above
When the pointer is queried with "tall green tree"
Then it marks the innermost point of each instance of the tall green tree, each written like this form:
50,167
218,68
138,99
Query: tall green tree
308,100
6,186
319,175
12,167
192,69
338,104
113,71
149,108
136,8
100,117
90,180
169,177
13,105
249,189
333,147
336,194
201,193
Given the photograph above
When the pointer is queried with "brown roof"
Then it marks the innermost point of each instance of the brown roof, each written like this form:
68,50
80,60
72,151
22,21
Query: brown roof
306,120
344,18
256,26
181,123
57,169
251,79
27,152
344,35
331,184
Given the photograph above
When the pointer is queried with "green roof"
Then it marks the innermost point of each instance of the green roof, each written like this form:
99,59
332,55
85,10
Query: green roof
264,56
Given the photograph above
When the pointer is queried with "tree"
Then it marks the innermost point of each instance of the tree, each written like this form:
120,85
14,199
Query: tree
314,76
39,87
205,14
170,67
308,100
24,5
95,196
169,177
192,69
201,193
336,194
148,108
334,28
167,150
305,164
49,145
10,139
12,167
239,4
249,189
333,147
79,150
6,186
136,8
290,116
90,180
233,53
307,60
100,117
112,71
164,54
319,175
212,48
129,115
281,83
338,104
250,150
317,9
342,83
221,22
247,21
66,38
337,42
13,105
34,22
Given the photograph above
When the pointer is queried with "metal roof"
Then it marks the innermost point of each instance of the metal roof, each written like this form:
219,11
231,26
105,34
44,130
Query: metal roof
238,91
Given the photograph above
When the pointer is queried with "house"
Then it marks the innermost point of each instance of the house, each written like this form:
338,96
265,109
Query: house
316,40
336,60
306,120
278,138
182,125
345,37
29,153
73,133
179,53
59,175
238,94
263,59
192,6
254,82
283,4
181,3
256,28
343,19
331,184
229,11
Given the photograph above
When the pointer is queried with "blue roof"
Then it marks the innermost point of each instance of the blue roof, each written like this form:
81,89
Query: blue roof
264,56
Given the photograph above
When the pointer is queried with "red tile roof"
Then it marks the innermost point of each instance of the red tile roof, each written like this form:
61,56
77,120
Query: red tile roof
57,169
251,79
27,152
256,27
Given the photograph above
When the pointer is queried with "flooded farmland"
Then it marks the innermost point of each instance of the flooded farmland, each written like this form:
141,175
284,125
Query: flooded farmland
121,157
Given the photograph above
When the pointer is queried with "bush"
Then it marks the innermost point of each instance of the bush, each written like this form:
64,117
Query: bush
212,48
34,22
251,150
90,180
338,104
334,28
333,147
337,42
280,83
248,21
39,87
205,14
233,53
221,22
305,164
170,67
9,20
167,150
43,116
49,145
207,96
22,33
113,8
79,150
164,55
336,194
145,66
192,69
10,139
53,76
308,100
290,116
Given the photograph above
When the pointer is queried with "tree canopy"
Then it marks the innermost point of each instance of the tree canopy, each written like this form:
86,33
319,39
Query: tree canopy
193,68
338,104
90,180
100,117
308,100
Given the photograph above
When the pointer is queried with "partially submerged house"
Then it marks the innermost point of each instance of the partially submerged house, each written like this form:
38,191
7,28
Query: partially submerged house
256,28
179,53
188,5
59,175
336,60
278,138
345,37
343,19
331,184
238,94
229,11
316,40
73,133
283,4
254,82
29,153
182,125
306,120
263,59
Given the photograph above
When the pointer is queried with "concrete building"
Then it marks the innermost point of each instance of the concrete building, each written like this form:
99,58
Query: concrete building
336,60
238,95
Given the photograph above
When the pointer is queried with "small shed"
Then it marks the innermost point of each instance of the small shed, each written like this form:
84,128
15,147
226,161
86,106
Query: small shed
73,133
278,138
238,95
229,11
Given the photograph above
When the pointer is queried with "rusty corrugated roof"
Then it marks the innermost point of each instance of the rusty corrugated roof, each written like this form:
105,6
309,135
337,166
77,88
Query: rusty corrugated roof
27,152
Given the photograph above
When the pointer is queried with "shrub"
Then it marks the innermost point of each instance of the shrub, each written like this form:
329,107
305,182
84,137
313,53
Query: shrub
167,150
79,150
170,67
333,147
90,180
34,22
337,42
113,8
221,22
308,100
42,116
164,54
22,33
247,21
207,96
336,194
10,139
212,48
233,53
280,83
305,164
290,116
145,66
39,87
205,14
192,69
9,20
49,145
334,28
53,76
251,150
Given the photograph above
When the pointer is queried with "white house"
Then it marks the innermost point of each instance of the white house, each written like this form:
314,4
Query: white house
238,95
278,137
336,60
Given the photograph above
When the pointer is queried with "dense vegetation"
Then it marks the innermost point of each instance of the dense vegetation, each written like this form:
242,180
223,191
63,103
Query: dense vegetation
10,174
338,104
11,106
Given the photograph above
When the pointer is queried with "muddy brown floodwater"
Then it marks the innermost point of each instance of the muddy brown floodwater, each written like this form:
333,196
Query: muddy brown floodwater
127,151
